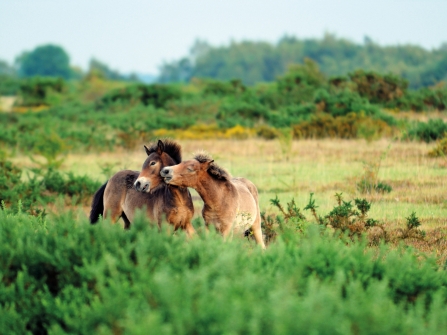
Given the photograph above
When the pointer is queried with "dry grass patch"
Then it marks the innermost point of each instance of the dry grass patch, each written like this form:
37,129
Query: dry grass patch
323,167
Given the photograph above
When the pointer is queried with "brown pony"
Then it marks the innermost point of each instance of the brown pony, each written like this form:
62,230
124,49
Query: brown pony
129,190
230,204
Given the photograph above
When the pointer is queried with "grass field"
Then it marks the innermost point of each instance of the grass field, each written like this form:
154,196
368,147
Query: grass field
61,275
323,167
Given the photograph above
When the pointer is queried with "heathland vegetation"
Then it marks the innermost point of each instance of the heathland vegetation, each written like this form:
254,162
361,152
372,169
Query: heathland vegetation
349,164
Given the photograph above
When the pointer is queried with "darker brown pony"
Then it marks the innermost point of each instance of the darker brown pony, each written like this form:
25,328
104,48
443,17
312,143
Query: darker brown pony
126,191
230,204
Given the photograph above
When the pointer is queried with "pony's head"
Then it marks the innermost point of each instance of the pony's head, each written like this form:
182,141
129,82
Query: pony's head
160,154
190,173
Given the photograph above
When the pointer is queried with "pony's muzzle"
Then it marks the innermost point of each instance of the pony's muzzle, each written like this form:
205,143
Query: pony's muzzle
142,185
167,174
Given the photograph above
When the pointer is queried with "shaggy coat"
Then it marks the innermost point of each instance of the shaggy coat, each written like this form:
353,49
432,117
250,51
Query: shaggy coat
230,204
129,190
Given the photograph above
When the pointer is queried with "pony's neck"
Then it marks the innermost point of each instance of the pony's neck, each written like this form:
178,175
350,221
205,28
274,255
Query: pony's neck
212,191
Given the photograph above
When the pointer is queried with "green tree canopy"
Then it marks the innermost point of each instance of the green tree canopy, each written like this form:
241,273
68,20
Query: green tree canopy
258,61
46,61
6,69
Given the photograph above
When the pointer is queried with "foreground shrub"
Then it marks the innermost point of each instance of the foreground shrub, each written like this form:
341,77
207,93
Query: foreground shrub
62,275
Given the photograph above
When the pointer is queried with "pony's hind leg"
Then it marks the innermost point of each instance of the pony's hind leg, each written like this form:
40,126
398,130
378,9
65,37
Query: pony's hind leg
113,213
257,232
126,221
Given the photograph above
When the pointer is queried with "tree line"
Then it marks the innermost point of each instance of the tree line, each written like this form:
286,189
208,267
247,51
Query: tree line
254,62
53,61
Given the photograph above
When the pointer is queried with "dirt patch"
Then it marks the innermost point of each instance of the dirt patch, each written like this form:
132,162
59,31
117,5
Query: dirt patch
6,103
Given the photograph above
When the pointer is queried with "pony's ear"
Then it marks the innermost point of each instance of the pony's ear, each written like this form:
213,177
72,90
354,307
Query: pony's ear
160,147
147,150
206,165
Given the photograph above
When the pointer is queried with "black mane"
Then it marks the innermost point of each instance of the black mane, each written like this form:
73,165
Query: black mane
214,170
172,148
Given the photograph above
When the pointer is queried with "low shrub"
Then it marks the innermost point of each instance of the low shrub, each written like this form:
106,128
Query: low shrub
433,130
352,125
223,88
440,150
377,88
42,187
36,91
233,112
9,86
62,275
155,94
291,115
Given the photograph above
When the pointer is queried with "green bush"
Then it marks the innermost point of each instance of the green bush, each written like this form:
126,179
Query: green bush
299,84
343,102
352,125
223,88
61,275
379,89
9,85
36,91
440,150
155,94
432,130
234,112
42,187
291,115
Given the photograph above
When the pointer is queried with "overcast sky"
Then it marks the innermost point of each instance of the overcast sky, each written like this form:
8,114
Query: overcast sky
139,35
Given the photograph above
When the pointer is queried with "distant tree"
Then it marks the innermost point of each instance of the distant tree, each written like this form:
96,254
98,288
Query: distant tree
434,73
45,61
182,70
6,69
102,70
179,71
254,62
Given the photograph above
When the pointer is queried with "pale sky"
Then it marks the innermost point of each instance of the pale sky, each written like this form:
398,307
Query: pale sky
139,35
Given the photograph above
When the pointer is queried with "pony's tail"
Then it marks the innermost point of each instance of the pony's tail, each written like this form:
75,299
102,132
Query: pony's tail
97,204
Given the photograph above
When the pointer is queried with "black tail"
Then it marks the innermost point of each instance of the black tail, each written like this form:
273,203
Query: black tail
97,204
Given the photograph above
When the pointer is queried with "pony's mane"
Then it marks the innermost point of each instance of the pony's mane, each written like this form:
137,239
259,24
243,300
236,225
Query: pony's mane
172,148
214,170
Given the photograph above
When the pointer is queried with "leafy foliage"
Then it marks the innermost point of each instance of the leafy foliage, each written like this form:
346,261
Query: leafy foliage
46,60
62,275
255,62
37,90
440,150
429,131
302,103
156,95
42,187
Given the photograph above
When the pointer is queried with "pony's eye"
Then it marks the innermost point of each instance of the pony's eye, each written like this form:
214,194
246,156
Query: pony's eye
153,163
190,169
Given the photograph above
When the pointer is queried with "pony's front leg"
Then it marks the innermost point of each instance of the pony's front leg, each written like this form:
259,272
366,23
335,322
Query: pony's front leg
190,231
115,214
226,230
